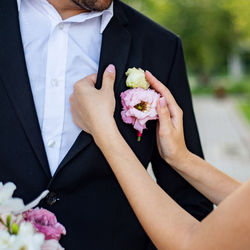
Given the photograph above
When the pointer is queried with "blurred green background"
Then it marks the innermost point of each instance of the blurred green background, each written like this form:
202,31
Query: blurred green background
216,41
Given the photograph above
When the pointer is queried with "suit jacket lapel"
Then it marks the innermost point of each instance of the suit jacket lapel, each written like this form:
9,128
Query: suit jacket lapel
115,49
13,73
115,46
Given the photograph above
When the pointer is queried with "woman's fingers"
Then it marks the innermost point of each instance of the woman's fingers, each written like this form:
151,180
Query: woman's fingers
160,87
155,83
109,78
165,123
88,81
91,79
174,110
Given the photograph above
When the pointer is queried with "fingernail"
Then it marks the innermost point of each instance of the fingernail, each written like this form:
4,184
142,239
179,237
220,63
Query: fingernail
163,102
111,68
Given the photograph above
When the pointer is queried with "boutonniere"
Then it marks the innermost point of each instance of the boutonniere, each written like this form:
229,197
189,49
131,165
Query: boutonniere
139,102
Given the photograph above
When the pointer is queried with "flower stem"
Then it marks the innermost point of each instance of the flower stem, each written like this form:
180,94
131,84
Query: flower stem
1,221
139,136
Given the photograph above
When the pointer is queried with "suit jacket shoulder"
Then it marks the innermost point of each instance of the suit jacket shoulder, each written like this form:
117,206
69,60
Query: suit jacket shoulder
145,28
156,45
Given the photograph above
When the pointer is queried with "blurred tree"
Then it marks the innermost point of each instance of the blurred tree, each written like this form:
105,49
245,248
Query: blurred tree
240,11
210,29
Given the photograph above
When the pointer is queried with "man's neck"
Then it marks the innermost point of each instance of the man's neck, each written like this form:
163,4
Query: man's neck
66,8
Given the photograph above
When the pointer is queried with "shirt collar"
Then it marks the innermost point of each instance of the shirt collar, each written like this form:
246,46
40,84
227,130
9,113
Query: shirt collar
106,15
18,4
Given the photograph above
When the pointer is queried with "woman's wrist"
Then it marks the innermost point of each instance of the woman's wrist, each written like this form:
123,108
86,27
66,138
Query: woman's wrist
106,131
181,161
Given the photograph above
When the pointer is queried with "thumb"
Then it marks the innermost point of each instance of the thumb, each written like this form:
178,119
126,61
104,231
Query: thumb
165,123
109,77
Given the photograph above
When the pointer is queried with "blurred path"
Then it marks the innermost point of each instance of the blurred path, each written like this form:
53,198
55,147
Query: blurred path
225,135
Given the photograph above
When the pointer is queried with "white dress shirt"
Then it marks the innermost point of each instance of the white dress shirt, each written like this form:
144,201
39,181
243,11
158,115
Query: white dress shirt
58,53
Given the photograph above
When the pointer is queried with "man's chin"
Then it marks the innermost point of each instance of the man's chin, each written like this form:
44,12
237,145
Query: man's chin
94,5
81,5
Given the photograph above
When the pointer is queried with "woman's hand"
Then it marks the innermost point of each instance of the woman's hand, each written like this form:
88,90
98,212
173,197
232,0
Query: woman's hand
93,109
170,135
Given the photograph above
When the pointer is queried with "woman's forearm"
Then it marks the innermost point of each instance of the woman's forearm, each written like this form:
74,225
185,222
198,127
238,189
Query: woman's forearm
156,211
211,182
167,224
227,227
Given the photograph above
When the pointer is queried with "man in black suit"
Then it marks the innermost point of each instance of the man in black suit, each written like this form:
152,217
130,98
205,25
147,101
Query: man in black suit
84,193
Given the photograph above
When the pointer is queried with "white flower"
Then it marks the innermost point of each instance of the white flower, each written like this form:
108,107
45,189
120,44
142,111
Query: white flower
7,241
26,239
8,204
51,245
136,79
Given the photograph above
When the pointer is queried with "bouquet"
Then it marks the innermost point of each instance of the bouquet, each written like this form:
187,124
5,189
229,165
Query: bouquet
25,228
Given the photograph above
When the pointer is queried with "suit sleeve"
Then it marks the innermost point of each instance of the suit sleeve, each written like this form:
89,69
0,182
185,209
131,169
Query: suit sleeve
180,190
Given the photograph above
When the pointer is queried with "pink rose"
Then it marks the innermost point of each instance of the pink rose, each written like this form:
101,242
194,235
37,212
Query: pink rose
139,106
45,222
51,245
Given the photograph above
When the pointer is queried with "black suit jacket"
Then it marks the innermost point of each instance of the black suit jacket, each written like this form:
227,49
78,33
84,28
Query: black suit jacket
84,193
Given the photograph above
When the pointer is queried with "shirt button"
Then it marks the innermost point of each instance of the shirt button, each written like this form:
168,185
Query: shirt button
51,143
61,26
54,83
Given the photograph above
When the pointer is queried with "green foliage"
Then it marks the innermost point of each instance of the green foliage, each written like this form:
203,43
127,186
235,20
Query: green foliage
244,106
211,30
240,11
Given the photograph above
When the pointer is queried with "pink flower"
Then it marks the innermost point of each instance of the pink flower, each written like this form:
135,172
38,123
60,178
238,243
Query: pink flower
45,222
51,245
139,106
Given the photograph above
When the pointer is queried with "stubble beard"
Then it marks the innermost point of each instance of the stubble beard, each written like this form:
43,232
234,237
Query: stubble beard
92,5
